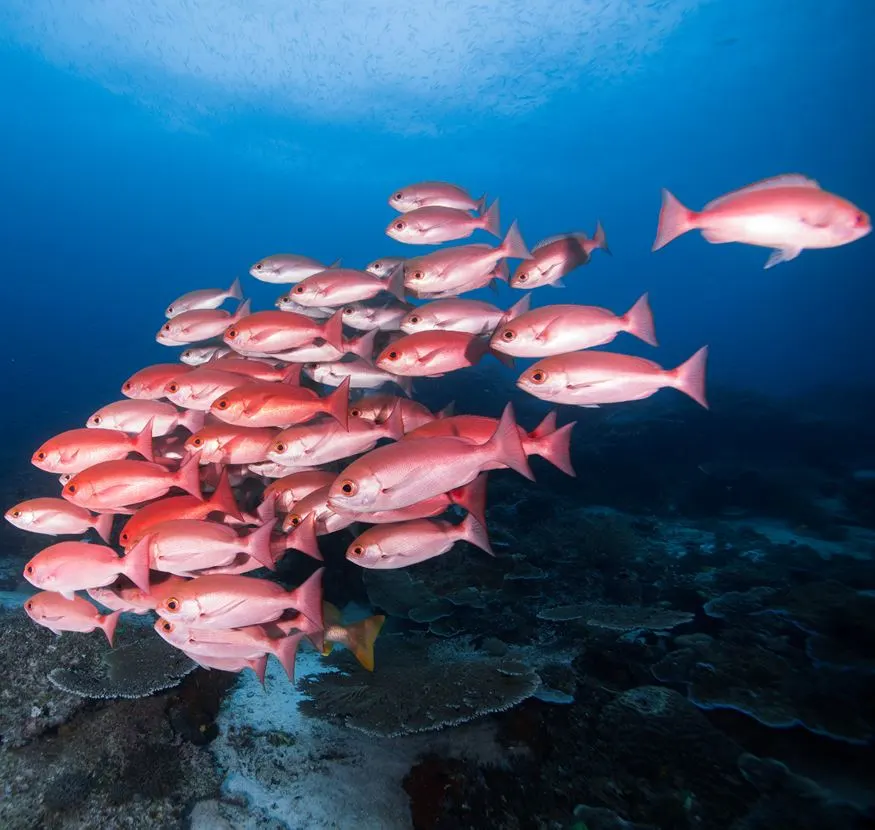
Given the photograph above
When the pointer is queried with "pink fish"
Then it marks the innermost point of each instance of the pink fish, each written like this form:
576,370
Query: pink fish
384,266
407,543
134,415
470,497
133,600
401,474
78,449
434,353
149,383
204,298
377,408
557,329
440,194
57,517
472,316
278,331
362,346
281,268
491,279
227,444
314,508
286,491
339,286
555,257
198,355
58,614
224,601
595,378
367,316
67,567
199,324
254,368
361,374
199,388
434,224
787,213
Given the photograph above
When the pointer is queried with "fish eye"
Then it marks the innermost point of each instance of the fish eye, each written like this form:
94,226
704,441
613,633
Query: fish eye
71,489
349,310
279,447
259,266
127,387
299,289
172,604
861,219
124,536
393,355
399,196
522,277
418,275
166,624
172,388
358,550
285,299
231,333
222,403
348,487
539,376
41,456
414,319
166,327
294,519
29,605
16,514
197,441
96,419
378,266
399,226
29,569
356,413
508,334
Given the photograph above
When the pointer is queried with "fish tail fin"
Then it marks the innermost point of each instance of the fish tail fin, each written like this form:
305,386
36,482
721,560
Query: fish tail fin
143,441
519,308
405,384
639,321
689,377
107,623
481,203
475,533
257,545
303,538
513,246
363,346
507,446
332,330
308,598
472,497
394,424
501,273
492,220
546,426
600,239
501,357
188,476
193,420
555,447
235,292
292,375
447,412
103,525
222,498
395,282
259,667
337,403
285,649
242,311
135,565
361,637
674,220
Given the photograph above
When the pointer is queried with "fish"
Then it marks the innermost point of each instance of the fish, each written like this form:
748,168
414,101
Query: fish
400,545
287,491
199,388
434,353
76,450
199,324
204,298
198,355
326,441
67,567
134,416
471,316
280,405
384,266
434,224
377,408
557,256
358,637
114,484
788,213
255,368
133,600
545,440
229,444
285,303
406,472
438,194
279,331
362,346
339,286
281,268
149,383
557,329
361,375
57,517
315,509
226,601
248,643
59,614
491,279
272,470
231,664
449,268
365,316
595,378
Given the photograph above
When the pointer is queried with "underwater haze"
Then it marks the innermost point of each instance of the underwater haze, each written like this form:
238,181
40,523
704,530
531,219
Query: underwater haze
678,637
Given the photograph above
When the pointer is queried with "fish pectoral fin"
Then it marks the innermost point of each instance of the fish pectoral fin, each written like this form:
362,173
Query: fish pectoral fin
782,255
68,595
424,358
227,608
821,221
557,283
544,334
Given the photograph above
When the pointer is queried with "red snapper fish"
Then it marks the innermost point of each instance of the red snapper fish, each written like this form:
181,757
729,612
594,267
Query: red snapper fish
285,303
199,388
76,450
787,213
133,600
135,415
281,268
57,517
227,601
198,355
439,194
339,286
471,316
227,444
361,374
278,331
434,224
287,491
555,257
199,324
365,316
148,384
401,474
59,614
435,353
67,567
204,298
407,543
384,266
377,408
594,378
558,329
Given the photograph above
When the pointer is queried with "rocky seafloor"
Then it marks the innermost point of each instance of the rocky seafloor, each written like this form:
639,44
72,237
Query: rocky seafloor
681,637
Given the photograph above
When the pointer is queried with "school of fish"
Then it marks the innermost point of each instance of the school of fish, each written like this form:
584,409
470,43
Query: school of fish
288,411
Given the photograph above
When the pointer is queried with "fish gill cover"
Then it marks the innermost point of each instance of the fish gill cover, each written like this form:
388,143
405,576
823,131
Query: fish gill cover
272,449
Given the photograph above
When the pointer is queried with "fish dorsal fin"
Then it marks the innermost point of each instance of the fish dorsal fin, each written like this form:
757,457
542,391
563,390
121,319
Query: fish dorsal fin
559,236
788,180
